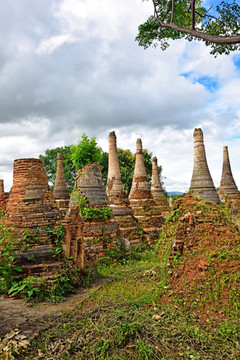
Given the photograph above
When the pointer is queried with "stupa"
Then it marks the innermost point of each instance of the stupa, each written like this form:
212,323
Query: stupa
141,199
30,212
31,204
156,188
95,235
227,185
60,191
201,183
119,203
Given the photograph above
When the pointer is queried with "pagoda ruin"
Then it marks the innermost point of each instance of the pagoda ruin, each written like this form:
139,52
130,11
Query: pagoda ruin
31,204
93,235
156,188
202,183
228,186
141,199
30,212
119,203
60,191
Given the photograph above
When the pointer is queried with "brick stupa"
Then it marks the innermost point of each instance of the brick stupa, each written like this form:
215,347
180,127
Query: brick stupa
228,186
141,199
202,183
93,236
60,191
3,198
30,210
119,203
156,188
31,204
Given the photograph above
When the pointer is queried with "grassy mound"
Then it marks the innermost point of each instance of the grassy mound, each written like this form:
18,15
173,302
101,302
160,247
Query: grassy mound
200,249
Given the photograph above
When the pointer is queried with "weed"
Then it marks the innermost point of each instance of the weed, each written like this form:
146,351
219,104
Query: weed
89,212
28,287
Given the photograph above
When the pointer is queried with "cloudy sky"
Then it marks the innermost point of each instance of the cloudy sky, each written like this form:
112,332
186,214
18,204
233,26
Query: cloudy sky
73,66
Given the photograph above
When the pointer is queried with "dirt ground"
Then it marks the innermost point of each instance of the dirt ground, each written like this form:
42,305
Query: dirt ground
30,319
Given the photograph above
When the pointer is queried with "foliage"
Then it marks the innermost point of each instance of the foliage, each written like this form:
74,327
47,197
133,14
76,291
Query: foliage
67,280
66,277
114,256
50,164
217,26
96,213
59,238
85,152
28,288
89,212
9,271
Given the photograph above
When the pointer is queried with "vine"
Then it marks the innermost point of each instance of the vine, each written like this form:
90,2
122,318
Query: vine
89,212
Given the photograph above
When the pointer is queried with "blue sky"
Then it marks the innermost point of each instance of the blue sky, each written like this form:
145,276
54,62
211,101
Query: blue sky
73,66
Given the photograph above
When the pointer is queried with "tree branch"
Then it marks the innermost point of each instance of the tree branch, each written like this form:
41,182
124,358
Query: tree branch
217,39
173,9
193,13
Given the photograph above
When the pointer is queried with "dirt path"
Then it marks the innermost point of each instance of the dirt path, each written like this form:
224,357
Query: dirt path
30,319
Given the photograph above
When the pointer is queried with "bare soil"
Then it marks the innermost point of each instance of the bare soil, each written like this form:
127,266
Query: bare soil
31,319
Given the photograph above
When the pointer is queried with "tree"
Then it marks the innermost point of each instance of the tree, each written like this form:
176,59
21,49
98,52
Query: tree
50,163
175,19
74,157
85,152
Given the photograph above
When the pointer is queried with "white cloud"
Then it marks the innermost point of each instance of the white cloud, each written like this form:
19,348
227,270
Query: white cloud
48,46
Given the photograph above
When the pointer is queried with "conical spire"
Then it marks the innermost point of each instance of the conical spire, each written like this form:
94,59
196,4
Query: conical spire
114,184
60,191
140,186
1,187
156,186
119,203
201,183
144,207
227,185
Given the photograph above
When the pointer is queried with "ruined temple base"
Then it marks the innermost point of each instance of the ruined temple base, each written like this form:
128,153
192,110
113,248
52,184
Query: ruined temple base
129,228
128,225
88,240
206,194
230,194
162,205
149,217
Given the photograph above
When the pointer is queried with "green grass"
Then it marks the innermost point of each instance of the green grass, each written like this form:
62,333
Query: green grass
127,319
